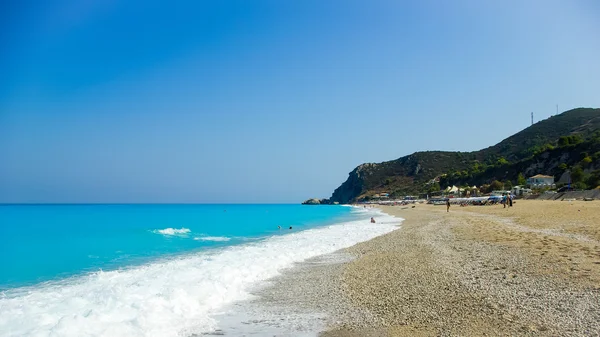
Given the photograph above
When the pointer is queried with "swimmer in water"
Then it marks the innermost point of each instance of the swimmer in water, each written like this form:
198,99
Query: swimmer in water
290,227
278,227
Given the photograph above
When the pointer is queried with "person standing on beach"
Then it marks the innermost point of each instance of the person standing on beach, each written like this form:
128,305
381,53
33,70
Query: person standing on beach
447,205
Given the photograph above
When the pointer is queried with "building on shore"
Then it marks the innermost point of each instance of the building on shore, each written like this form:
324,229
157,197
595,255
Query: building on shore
521,190
540,180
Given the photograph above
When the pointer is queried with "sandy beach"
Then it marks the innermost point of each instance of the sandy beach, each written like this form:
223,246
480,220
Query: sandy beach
533,269
480,270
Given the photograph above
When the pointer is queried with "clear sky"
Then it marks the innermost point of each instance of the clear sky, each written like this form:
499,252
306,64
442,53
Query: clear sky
270,101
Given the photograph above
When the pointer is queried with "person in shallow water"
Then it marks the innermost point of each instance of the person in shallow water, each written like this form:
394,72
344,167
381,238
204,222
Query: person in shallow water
372,220
290,227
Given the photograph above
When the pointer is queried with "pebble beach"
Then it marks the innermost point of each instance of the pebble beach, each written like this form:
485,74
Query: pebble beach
533,269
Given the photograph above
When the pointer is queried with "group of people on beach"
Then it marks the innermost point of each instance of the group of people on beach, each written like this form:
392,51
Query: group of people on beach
507,199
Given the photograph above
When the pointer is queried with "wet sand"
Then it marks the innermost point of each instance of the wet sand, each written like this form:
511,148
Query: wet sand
533,269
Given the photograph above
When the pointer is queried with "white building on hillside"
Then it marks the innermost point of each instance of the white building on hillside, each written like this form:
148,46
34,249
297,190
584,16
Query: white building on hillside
540,180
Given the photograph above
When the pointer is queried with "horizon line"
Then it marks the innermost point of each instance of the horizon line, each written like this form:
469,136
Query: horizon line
141,203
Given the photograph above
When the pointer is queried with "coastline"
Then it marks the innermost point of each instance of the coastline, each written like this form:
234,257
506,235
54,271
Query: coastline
303,300
479,270
180,293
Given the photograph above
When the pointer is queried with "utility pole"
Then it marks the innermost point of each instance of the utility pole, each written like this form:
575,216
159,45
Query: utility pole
557,109
532,118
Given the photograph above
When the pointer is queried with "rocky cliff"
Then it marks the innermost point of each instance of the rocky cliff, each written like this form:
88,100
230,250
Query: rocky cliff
405,175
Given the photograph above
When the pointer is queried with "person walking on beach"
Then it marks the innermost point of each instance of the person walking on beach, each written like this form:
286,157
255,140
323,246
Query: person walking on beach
504,199
510,200
447,205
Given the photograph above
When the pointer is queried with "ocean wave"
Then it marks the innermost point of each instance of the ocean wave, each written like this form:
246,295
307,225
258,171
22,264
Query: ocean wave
172,231
171,297
365,211
212,238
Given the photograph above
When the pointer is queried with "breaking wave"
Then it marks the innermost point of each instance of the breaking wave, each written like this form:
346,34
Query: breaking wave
172,231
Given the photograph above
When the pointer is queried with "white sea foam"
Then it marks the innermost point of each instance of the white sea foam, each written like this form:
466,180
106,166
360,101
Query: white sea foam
360,209
175,297
171,231
212,238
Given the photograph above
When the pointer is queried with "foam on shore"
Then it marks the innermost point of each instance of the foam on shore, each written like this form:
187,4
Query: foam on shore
171,297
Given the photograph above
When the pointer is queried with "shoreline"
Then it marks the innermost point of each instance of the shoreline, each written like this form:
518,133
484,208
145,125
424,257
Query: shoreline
180,294
302,299
477,270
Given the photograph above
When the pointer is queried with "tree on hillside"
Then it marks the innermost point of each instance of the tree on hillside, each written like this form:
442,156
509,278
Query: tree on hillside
569,140
563,167
521,179
435,187
540,149
593,180
576,174
586,161
508,185
563,141
485,188
495,185
501,161
576,139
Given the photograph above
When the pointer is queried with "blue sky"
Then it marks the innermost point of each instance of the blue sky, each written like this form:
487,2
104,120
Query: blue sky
270,101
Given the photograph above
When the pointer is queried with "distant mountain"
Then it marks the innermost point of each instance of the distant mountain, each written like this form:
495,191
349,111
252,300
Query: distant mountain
551,146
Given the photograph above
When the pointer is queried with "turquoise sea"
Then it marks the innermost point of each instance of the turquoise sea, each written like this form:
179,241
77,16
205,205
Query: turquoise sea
153,270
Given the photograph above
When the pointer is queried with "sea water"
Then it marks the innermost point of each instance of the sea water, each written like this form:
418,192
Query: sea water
154,270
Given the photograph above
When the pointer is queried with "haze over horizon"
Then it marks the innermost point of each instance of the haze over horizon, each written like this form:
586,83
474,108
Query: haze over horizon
268,101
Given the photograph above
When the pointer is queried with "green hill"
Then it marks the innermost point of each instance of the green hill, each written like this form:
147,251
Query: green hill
581,121
536,149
